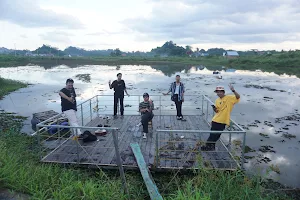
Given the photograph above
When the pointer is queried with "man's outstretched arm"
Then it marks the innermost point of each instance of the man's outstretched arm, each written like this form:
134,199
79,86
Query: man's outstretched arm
237,95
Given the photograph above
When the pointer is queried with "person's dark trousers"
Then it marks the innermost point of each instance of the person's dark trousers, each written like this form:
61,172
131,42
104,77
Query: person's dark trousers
213,138
178,106
146,117
116,99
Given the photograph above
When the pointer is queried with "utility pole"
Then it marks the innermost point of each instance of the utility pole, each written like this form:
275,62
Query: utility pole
15,49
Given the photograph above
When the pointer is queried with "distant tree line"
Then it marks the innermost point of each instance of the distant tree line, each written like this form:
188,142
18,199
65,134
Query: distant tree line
169,48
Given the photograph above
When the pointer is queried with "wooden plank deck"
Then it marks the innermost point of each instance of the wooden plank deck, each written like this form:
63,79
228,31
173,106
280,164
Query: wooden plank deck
148,180
176,150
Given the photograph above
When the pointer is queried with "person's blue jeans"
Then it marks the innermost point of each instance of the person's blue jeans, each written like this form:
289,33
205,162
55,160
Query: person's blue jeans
146,117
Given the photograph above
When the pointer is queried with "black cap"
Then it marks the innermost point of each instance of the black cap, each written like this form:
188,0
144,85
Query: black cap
145,94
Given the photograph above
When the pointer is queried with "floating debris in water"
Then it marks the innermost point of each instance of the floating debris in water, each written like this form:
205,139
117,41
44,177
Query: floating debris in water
267,123
84,77
275,168
295,117
288,135
266,159
244,127
252,125
264,135
262,87
266,148
249,149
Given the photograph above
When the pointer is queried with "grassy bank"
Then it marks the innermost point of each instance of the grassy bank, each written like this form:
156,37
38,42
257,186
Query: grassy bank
20,170
7,86
286,62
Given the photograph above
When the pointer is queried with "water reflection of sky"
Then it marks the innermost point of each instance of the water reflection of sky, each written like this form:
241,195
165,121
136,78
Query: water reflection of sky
47,82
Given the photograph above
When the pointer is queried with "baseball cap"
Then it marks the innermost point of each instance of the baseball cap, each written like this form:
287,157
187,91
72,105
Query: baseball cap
219,88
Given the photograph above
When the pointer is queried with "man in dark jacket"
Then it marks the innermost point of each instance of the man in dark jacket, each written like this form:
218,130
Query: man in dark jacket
69,105
119,87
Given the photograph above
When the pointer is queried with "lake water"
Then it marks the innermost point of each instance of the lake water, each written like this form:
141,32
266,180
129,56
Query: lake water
264,97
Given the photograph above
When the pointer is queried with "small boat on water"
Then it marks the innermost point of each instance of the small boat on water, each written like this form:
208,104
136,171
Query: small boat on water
200,67
230,70
217,74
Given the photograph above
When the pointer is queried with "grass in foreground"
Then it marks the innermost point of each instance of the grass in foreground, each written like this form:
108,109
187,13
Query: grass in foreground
7,86
20,170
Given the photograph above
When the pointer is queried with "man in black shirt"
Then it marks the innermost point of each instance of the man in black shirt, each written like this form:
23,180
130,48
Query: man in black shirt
119,88
69,105
146,107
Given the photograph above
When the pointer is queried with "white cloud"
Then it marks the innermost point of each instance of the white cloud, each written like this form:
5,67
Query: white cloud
145,24
57,37
230,21
27,13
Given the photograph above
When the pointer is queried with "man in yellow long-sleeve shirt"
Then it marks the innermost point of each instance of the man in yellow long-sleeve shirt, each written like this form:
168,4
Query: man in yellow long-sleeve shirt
223,107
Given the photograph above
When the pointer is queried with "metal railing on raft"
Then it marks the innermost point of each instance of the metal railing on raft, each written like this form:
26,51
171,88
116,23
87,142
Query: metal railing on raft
63,137
185,148
193,105
102,105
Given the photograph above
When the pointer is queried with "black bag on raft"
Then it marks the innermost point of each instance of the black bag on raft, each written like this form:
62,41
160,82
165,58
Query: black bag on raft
87,136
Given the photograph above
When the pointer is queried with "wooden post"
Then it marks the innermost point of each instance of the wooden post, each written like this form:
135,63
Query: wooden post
119,162
91,112
243,150
97,106
156,150
39,142
149,182
77,147
206,110
81,115
202,105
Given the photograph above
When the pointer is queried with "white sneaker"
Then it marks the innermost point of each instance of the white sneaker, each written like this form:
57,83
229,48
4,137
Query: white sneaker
145,137
139,124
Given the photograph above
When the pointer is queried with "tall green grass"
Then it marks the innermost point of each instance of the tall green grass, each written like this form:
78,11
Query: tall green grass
7,86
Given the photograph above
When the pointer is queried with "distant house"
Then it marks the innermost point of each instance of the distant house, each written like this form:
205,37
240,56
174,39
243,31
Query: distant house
196,54
231,54
204,54
124,54
164,55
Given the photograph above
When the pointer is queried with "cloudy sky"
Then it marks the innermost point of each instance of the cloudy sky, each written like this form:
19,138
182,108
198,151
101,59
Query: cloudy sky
144,24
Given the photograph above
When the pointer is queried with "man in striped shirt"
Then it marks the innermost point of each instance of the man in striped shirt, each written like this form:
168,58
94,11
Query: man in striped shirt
146,108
